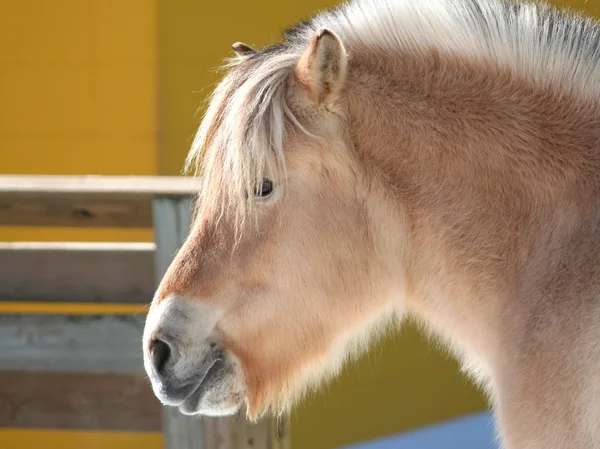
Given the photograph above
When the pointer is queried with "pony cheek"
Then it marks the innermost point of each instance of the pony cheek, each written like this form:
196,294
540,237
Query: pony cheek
277,360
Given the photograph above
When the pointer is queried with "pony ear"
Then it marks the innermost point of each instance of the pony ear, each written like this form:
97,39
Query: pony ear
242,49
322,67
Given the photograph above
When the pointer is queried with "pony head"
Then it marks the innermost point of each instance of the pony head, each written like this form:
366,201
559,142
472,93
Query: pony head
282,272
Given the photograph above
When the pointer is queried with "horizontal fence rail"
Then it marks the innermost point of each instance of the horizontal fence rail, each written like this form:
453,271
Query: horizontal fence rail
72,314
77,272
72,343
78,401
86,201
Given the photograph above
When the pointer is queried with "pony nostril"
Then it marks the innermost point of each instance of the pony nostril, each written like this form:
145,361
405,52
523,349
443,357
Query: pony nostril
160,353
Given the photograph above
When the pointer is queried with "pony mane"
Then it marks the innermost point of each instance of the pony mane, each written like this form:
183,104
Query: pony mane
240,140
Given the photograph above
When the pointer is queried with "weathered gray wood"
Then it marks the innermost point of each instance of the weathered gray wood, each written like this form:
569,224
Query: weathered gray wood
171,227
101,344
120,211
239,433
77,272
84,201
78,401
144,186
172,218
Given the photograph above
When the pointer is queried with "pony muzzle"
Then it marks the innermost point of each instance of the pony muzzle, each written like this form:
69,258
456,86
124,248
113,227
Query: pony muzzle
188,368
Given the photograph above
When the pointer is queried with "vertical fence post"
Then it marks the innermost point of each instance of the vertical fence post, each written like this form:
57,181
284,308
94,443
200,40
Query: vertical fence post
172,217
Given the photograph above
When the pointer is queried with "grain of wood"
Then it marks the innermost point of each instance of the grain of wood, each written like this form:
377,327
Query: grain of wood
77,272
94,184
86,201
237,432
78,401
76,343
172,219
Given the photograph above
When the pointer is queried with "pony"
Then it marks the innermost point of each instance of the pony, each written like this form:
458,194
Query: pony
394,158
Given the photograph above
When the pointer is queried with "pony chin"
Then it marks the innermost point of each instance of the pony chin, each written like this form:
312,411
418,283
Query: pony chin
279,394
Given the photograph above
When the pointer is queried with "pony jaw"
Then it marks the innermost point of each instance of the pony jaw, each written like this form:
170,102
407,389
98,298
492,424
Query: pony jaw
282,392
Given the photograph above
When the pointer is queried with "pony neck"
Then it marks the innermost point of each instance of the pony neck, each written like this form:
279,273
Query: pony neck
479,169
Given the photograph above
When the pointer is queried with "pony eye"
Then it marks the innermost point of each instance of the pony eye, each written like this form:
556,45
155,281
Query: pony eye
264,189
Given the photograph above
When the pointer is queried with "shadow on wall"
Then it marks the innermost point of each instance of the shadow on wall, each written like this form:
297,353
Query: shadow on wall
468,432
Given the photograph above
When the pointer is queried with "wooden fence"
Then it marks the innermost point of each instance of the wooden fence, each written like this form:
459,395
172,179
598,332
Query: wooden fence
72,314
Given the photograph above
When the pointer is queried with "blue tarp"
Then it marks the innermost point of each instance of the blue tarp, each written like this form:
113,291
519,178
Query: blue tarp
468,432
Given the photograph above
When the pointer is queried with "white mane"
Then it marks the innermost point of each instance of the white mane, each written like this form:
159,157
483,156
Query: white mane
240,140
531,38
